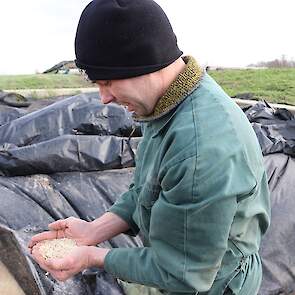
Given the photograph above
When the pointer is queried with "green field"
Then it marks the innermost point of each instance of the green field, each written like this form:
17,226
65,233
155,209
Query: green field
273,85
41,81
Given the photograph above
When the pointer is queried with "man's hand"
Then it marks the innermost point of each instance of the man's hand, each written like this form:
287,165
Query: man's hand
84,233
79,259
72,228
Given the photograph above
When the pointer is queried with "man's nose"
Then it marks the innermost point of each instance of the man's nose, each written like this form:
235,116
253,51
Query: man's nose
105,96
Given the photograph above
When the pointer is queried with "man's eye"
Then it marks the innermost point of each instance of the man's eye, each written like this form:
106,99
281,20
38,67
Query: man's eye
105,83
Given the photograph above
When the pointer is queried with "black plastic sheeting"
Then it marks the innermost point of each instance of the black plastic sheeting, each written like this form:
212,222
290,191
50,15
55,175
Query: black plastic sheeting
278,245
29,203
13,99
85,147
80,114
57,138
275,129
68,153
8,114
73,134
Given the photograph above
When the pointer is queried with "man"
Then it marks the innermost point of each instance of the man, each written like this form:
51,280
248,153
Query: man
200,195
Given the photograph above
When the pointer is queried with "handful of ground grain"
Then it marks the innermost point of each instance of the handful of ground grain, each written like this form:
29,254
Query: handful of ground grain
56,248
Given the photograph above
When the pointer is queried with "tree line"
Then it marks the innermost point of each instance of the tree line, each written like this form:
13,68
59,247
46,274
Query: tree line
282,62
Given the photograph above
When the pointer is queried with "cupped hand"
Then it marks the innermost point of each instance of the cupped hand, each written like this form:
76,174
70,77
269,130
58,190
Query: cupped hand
72,228
80,258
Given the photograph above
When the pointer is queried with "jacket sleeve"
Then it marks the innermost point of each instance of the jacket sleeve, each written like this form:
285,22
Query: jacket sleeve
124,207
189,228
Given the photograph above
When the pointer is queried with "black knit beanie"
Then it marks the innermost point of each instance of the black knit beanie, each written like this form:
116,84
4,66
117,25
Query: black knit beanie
119,39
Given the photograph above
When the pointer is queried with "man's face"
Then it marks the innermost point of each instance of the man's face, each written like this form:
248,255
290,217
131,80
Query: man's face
134,93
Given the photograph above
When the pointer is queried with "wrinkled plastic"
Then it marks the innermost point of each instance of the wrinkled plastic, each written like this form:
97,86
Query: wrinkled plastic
54,139
8,114
81,135
14,99
57,138
275,129
83,195
278,245
68,153
74,115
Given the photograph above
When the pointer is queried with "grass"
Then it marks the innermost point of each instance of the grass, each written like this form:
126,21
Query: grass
43,81
273,85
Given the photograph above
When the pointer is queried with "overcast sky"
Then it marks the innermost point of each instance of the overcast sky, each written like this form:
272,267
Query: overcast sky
36,34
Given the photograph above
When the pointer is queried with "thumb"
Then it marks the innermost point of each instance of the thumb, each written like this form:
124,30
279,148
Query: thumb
58,225
48,235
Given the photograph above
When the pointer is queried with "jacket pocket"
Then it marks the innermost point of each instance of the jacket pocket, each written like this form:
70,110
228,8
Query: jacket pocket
148,196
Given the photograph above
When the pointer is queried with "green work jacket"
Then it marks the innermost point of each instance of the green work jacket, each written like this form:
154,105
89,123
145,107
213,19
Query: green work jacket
199,196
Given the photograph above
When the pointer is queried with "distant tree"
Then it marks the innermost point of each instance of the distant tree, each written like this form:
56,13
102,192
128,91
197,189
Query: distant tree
283,62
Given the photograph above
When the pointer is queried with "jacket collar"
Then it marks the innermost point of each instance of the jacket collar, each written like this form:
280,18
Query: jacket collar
186,82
